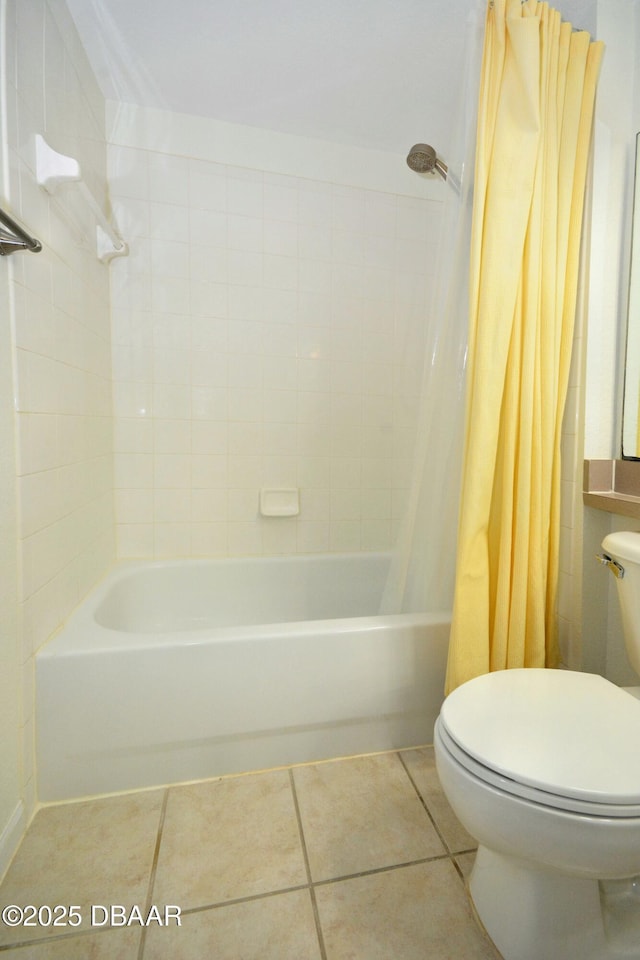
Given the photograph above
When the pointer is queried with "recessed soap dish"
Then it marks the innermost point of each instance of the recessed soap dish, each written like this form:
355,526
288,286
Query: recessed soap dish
281,502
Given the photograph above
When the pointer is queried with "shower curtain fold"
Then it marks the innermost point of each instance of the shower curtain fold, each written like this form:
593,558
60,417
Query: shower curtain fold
534,126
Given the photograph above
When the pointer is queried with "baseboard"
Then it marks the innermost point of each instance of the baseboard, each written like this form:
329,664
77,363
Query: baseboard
11,836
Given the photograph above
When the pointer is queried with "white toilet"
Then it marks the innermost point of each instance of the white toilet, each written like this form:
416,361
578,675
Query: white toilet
542,767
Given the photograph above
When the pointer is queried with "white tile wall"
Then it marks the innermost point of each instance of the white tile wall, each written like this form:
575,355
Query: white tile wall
12,817
592,423
266,332
61,350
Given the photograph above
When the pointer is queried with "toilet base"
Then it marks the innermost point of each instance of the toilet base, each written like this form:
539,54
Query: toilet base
535,914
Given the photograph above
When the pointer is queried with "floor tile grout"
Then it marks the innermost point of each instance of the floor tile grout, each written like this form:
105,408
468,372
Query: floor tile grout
341,878
307,865
450,853
303,844
387,868
154,867
55,938
425,805
220,904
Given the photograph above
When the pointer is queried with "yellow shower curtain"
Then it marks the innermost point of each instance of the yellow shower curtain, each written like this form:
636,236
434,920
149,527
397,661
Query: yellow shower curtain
534,127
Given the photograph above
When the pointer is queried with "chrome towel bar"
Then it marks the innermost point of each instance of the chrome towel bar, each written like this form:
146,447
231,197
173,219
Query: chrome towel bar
17,239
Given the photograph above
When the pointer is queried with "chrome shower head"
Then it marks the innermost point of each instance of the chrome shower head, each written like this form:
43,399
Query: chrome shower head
423,159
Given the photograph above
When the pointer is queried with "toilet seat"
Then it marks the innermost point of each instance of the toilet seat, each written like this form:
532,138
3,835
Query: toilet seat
558,738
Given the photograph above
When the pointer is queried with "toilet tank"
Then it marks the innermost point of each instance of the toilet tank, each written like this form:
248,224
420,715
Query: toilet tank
624,548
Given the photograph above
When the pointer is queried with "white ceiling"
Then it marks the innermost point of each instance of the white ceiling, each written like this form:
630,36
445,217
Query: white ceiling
376,73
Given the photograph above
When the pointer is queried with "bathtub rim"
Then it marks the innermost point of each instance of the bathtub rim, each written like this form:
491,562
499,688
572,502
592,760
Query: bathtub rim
82,634
75,642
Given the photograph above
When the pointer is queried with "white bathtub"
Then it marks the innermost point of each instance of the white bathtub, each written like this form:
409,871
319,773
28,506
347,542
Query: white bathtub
185,670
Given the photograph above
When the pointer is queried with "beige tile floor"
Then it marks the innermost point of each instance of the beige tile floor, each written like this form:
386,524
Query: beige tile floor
358,859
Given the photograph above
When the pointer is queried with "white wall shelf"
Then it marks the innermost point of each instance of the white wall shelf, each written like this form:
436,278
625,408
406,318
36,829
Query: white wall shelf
54,169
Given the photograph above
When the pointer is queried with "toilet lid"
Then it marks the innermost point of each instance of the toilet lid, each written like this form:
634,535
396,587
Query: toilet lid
573,735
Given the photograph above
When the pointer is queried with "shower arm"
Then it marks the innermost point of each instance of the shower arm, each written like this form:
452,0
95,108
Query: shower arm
442,168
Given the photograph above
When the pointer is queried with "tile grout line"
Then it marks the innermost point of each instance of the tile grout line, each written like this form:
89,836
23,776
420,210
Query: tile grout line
36,941
387,868
91,931
312,892
424,804
219,904
450,853
154,867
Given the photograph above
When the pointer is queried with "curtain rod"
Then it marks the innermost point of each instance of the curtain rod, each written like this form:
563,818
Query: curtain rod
18,239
